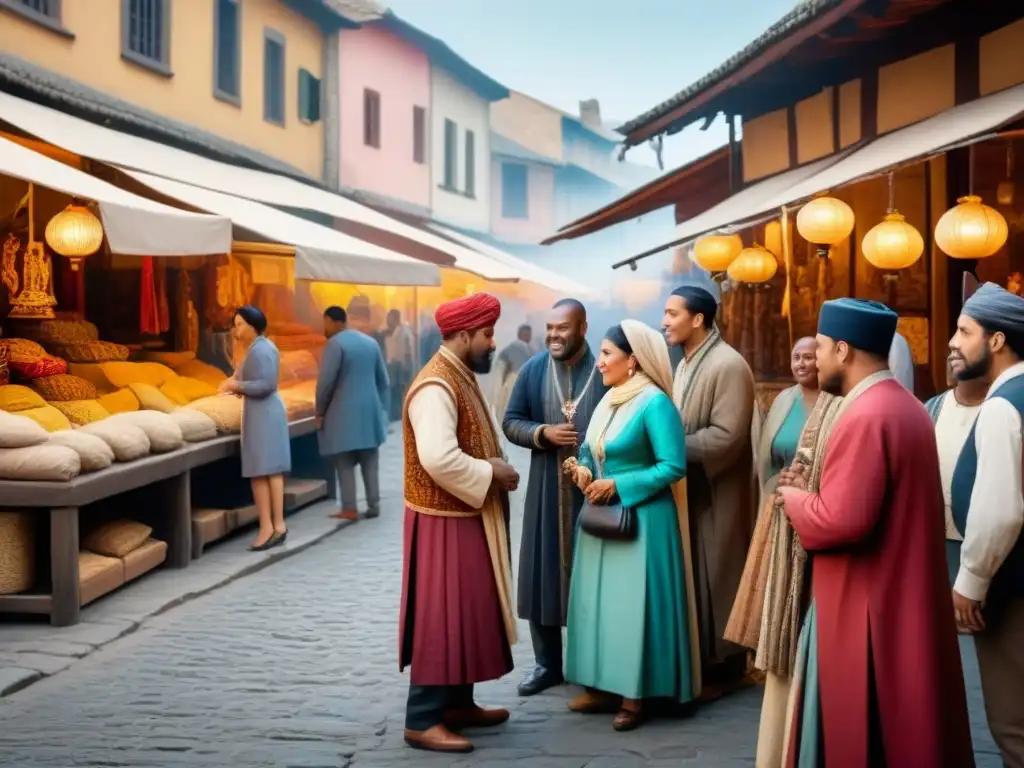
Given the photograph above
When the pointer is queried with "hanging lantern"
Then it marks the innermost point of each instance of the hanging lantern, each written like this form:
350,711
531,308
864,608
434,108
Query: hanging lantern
773,237
825,221
971,230
754,265
716,252
75,233
893,244
1004,193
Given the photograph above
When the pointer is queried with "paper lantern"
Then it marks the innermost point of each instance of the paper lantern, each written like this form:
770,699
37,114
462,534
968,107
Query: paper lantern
1004,193
971,230
893,244
716,252
825,221
75,233
773,237
754,265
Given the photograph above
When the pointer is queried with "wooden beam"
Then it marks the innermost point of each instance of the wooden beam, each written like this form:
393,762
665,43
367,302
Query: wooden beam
967,56
836,111
791,137
869,105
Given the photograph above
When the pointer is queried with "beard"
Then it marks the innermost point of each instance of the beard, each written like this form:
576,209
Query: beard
569,350
832,385
481,363
977,369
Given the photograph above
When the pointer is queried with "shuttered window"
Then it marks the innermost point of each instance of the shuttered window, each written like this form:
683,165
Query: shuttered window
273,77
145,33
227,49
419,135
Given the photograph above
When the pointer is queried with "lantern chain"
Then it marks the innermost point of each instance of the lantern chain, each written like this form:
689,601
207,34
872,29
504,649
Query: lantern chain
892,192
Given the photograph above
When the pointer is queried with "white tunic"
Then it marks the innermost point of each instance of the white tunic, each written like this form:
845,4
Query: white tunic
951,431
997,507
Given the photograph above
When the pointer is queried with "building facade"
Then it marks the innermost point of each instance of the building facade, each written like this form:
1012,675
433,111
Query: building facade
241,78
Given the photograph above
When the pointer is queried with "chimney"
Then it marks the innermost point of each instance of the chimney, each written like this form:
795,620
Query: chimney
590,113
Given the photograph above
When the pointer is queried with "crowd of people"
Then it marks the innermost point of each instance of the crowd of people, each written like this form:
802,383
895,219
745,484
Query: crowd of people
682,537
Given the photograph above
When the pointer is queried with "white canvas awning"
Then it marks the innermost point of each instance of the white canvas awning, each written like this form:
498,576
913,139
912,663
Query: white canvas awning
956,127
528,271
321,253
133,225
127,151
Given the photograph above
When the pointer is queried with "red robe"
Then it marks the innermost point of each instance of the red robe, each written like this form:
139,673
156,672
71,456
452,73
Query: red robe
888,659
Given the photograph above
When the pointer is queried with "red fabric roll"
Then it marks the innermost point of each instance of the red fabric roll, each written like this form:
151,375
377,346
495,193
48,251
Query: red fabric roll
37,369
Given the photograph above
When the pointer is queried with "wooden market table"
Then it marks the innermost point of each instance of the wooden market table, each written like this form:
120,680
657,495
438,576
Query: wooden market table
169,507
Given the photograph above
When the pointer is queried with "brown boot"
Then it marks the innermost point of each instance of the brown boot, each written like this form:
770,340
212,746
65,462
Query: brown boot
475,717
437,739
346,514
594,703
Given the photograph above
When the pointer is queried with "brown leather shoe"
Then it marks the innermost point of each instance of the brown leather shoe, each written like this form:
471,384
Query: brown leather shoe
628,719
346,514
437,739
593,703
477,717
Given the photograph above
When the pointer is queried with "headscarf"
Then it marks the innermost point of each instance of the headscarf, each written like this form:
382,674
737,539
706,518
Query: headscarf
480,310
996,308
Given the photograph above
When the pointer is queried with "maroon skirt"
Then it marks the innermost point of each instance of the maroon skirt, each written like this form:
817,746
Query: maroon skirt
450,629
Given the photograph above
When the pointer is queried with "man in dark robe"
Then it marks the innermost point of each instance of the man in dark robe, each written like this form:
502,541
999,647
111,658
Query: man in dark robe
510,361
988,507
548,412
457,623
878,679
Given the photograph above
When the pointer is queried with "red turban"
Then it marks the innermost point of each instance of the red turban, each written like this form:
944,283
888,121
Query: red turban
481,310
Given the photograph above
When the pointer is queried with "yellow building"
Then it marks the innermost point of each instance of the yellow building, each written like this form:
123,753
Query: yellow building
242,81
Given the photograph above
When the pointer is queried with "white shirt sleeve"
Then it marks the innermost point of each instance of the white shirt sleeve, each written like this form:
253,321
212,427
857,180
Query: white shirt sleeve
434,421
997,508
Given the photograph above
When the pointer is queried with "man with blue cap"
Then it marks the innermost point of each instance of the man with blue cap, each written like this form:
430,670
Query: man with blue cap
988,507
878,679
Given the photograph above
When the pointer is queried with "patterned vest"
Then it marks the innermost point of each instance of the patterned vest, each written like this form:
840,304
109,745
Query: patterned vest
475,433
1009,580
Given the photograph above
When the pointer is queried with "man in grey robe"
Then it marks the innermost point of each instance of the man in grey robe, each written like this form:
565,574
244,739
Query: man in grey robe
901,362
510,361
548,412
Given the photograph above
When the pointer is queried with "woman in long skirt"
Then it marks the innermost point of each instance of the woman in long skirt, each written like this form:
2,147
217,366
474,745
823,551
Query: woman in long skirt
266,451
632,627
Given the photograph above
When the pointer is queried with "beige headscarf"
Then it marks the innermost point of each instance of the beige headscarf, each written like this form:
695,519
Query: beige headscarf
651,353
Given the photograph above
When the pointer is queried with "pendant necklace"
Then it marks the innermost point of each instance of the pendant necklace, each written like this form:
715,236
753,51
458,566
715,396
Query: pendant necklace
570,406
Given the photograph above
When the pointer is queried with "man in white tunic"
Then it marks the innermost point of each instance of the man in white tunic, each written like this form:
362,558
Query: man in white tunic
953,412
456,626
988,506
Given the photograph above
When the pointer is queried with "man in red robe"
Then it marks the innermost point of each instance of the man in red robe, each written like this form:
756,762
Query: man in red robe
880,679
456,624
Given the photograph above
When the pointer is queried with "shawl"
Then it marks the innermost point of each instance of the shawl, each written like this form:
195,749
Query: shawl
651,352
777,415
686,379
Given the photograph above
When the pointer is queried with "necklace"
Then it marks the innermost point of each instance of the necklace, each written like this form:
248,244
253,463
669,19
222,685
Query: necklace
569,406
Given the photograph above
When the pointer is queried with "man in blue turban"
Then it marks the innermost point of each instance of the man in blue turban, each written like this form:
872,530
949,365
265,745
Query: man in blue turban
878,576
987,506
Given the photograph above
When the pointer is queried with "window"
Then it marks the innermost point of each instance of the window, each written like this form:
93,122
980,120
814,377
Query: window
145,33
470,188
45,13
419,135
227,49
273,77
49,8
514,191
451,157
309,97
371,118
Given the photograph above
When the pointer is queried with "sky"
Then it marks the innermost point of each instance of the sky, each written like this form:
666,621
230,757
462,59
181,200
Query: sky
630,56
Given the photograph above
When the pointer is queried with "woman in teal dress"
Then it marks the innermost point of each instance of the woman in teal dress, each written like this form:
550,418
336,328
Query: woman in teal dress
632,628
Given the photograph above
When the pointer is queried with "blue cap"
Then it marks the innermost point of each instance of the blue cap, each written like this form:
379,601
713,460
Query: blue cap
866,325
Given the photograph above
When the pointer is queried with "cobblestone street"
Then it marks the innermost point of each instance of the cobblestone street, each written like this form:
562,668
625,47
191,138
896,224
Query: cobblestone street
295,666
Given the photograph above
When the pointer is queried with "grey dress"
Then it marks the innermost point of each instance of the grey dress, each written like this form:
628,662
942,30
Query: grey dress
265,446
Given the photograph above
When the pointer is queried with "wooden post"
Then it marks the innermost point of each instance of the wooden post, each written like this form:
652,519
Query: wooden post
175,519
65,601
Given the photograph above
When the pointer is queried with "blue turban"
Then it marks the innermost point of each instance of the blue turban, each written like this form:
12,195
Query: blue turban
865,325
997,309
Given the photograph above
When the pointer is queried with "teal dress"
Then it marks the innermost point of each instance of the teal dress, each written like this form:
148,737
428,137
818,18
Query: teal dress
628,614
788,437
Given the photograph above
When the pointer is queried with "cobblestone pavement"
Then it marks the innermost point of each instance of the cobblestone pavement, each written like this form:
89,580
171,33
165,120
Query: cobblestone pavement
295,666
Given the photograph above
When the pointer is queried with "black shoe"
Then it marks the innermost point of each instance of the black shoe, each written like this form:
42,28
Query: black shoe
279,538
269,543
538,680
372,512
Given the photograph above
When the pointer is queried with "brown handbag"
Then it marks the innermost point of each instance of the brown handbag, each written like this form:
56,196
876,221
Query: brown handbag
608,521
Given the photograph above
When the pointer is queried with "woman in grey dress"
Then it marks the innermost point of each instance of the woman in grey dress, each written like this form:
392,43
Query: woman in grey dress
266,452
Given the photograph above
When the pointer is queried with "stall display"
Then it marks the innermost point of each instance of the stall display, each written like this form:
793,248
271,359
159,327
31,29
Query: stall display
48,417
93,453
17,552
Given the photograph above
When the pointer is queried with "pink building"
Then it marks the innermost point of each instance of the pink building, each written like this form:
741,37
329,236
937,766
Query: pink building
384,111
522,192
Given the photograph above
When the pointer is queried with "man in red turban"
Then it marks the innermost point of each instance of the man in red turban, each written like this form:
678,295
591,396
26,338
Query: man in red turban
456,626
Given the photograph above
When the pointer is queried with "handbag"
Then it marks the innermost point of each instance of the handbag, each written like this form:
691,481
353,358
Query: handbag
614,522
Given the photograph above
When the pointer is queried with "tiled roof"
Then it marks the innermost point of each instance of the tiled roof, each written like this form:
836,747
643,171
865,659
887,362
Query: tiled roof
804,12
34,83
355,10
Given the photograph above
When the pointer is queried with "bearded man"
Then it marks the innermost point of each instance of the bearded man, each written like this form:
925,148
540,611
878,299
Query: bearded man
456,626
878,679
714,392
550,408
988,507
